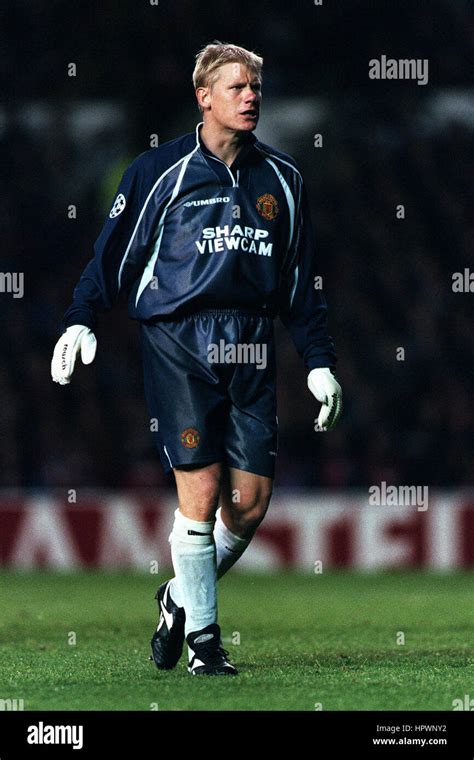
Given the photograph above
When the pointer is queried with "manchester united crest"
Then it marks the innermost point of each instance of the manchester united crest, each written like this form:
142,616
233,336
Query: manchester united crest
267,206
190,438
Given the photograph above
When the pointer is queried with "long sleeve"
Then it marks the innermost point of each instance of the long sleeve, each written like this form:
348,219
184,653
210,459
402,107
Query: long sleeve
303,308
118,253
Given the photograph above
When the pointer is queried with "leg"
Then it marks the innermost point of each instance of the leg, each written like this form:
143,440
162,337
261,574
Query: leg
193,552
244,498
198,490
192,544
244,502
189,435
194,560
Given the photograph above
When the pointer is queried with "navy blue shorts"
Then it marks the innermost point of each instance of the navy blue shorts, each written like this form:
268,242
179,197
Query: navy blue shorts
210,386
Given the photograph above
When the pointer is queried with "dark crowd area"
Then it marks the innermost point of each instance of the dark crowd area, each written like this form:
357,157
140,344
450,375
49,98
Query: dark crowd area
404,338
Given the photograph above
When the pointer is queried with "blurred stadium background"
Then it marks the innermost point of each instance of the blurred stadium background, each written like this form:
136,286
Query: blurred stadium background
81,482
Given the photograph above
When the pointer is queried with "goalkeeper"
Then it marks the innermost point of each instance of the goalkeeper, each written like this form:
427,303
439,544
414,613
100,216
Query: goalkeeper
210,238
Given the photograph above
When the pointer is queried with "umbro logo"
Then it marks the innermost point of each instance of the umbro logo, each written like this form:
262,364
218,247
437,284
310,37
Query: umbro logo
208,201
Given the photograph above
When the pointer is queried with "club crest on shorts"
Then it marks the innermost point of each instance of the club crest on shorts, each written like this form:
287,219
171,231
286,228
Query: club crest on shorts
267,206
190,438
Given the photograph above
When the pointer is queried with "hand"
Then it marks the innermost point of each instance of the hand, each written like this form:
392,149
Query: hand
324,386
77,338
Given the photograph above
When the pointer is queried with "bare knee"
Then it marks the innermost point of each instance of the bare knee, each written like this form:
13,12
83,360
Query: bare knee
198,491
249,506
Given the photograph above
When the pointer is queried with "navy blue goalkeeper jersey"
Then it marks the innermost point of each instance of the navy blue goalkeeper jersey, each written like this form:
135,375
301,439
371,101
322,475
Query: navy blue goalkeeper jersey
186,232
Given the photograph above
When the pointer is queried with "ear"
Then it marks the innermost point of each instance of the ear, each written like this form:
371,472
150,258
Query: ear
203,95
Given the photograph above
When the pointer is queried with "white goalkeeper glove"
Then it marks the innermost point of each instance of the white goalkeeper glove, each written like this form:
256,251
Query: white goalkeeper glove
77,338
324,386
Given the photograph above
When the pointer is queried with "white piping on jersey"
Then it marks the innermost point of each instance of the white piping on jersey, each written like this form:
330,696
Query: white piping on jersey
289,198
147,275
291,206
293,289
166,452
127,250
201,124
198,145
278,158
234,183
296,273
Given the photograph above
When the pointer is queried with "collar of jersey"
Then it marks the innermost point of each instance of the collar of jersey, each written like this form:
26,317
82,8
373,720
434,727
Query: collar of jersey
242,156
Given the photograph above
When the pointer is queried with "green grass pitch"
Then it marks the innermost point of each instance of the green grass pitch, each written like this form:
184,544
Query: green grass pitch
328,640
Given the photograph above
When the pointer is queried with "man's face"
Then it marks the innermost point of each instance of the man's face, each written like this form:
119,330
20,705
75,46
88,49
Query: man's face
234,99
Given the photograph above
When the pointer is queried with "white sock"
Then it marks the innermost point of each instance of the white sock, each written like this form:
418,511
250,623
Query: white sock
229,548
193,553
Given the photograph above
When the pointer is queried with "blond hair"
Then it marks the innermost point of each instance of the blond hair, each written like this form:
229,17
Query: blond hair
215,55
